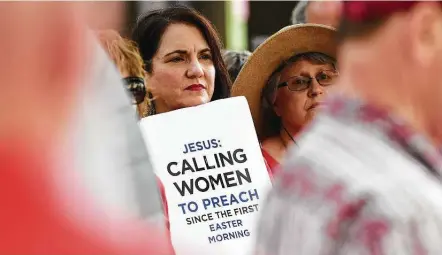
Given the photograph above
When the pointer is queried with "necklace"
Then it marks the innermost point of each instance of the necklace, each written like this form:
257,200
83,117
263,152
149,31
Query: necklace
291,137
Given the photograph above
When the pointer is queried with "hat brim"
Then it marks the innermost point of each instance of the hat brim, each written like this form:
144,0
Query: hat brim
287,42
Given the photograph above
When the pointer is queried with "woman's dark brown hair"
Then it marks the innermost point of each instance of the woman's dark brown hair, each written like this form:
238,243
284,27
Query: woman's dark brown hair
150,28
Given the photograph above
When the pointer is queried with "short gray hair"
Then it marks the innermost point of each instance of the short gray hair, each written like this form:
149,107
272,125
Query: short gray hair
268,94
299,13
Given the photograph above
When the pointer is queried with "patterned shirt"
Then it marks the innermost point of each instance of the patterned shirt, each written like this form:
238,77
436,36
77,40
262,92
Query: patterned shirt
361,182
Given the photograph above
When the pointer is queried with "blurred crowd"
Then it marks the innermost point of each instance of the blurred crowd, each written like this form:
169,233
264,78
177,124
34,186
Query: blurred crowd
344,103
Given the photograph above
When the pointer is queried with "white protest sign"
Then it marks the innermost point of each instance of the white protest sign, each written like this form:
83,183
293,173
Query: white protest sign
210,163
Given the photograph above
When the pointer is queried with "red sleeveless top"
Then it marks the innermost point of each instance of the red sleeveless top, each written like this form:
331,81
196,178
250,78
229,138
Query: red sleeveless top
271,163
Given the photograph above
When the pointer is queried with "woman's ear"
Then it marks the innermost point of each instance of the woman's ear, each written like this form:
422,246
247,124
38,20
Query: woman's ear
276,108
148,82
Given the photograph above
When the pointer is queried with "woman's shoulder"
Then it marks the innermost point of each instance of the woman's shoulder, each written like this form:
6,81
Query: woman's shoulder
271,162
272,147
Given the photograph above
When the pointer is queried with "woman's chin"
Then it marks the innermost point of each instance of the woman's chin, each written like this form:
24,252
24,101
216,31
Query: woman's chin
195,102
310,116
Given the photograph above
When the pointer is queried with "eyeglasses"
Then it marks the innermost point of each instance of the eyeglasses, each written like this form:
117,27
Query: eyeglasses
300,83
135,86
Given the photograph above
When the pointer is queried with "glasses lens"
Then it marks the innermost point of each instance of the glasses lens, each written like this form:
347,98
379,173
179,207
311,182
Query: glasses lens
326,78
299,83
135,86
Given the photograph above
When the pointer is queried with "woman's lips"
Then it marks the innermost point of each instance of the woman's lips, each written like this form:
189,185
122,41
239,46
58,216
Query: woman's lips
195,87
316,105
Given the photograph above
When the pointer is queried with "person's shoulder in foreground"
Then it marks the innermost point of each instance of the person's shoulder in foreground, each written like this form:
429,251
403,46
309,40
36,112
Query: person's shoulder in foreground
361,182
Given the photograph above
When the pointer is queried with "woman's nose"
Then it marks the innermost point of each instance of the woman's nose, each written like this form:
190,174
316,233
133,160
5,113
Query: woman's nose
315,89
195,69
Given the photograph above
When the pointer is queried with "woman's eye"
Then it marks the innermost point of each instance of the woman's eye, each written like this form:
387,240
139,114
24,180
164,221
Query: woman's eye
206,56
300,81
323,76
176,59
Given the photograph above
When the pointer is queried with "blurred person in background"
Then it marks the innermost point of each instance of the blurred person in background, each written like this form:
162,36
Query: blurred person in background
46,206
234,61
317,12
285,81
182,53
367,178
125,54
109,150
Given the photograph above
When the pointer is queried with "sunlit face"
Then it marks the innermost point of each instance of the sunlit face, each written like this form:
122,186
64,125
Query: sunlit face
183,73
297,108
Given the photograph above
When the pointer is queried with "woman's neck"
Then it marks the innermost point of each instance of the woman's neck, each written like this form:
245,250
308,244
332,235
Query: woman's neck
277,145
287,136
160,107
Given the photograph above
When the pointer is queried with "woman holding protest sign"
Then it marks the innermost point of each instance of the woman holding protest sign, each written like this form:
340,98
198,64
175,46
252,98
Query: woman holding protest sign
284,81
182,54
181,51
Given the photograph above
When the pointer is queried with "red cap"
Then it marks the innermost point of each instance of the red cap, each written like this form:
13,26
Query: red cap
361,11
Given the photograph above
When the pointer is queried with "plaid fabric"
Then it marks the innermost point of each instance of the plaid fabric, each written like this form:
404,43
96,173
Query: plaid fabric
361,182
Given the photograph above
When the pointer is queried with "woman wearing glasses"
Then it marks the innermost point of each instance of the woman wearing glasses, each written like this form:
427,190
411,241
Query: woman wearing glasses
126,56
285,81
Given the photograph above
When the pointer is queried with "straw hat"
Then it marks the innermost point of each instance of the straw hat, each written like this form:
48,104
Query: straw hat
287,42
